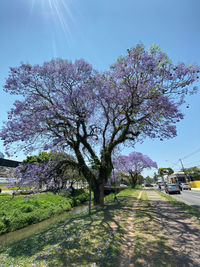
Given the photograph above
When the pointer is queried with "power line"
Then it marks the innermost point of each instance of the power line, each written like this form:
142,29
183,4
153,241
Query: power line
185,157
193,162
175,164
191,154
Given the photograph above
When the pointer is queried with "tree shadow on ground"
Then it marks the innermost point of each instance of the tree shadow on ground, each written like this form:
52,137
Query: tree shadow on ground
77,241
166,237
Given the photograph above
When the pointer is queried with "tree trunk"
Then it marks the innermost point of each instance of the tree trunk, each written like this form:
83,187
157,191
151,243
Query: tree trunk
134,177
104,173
101,195
98,189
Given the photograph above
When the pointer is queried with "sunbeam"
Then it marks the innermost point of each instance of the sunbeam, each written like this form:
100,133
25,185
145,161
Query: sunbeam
57,11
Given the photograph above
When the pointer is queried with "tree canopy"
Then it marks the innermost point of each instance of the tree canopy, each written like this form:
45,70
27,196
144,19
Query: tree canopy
192,170
134,164
71,106
49,170
163,171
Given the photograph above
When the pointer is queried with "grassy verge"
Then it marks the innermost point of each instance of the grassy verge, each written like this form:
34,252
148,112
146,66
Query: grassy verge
20,211
80,241
151,247
191,212
4,194
109,197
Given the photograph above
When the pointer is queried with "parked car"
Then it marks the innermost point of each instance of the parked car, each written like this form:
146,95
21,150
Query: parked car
185,186
148,185
123,185
172,188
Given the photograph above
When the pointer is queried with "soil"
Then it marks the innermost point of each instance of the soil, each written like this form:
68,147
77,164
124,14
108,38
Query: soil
127,248
180,233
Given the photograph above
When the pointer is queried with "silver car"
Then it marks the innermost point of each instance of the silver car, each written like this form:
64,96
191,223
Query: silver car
172,188
185,186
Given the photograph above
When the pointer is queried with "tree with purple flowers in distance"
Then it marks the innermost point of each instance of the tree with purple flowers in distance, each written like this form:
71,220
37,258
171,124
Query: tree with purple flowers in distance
162,171
47,170
91,114
133,165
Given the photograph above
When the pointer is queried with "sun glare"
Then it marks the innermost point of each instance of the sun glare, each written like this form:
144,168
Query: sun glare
56,10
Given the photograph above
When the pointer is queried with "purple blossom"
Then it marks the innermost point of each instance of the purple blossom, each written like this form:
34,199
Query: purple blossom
133,164
53,172
72,107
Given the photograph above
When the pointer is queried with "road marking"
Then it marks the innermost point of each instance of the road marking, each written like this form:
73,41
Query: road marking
196,196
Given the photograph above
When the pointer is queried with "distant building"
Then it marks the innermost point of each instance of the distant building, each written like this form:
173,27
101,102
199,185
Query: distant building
7,170
177,177
181,177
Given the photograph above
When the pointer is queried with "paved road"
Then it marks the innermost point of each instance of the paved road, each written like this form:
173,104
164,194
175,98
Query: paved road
189,197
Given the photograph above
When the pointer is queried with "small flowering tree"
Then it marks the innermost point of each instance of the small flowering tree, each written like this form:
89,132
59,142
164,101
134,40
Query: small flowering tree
134,164
71,106
46,170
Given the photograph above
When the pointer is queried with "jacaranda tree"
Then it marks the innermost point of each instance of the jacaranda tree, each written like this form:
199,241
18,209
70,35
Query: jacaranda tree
73,107
133,165
47,170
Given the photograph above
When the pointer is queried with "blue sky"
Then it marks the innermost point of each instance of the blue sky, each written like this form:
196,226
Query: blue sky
34,31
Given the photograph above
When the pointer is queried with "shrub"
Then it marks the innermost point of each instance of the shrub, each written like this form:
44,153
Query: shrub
2,228
26,208
21,211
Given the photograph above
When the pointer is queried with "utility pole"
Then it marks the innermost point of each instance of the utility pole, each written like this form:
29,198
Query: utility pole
186,177
182,165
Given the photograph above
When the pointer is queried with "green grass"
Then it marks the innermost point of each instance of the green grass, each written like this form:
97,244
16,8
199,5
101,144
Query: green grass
96,240
129,193
138,186
79,241
4,194
20,211
109,197
191,212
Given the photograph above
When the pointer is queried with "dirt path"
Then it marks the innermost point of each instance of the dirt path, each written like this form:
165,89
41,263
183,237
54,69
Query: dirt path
7,192
127,248
180,232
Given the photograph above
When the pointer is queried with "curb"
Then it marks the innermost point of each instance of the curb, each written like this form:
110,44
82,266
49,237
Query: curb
195,189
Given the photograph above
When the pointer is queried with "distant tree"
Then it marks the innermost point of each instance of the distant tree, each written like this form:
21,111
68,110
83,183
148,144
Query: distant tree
72,106
2,169
148,180
140,179
193,170
134,164
124,178
42,157
163,171
47,169
119,177
155,177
